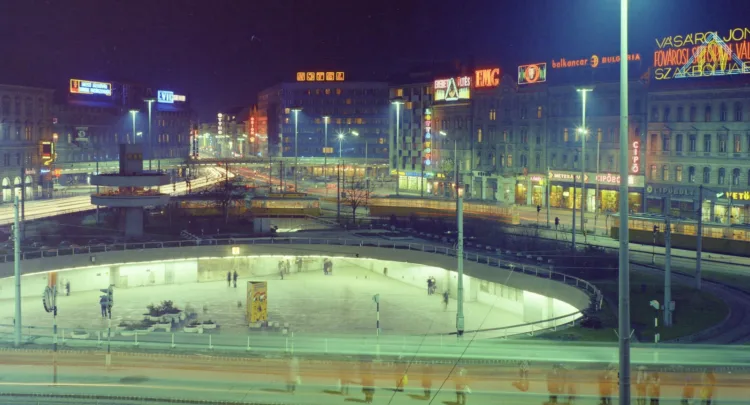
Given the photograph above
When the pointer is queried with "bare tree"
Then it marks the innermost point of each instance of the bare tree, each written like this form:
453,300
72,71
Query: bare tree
356,194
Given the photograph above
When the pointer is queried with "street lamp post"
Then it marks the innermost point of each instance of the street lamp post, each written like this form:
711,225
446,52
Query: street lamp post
296,111
132,114
338,181
367,178
398,102
325,150
624,276
459,243
150,102
584,133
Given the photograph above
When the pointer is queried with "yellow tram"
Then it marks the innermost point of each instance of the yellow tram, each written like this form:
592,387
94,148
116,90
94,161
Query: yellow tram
285,205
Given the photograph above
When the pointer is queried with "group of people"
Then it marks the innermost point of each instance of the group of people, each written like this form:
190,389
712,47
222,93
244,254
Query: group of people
230,277
327,267
431,285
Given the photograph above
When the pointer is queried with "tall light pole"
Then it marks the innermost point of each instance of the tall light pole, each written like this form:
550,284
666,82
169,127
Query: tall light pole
132,114
325,149
338,181
296,111
398,102
584,132
459,243
150,102
624,279
367,178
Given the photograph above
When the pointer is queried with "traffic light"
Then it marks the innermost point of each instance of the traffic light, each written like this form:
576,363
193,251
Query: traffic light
538,208
557,221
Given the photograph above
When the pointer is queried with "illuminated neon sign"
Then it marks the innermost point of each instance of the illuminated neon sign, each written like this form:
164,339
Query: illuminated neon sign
168,97
702,54
427,141
453,89
594,61
635,160
320,76
533,73
484,78
78,86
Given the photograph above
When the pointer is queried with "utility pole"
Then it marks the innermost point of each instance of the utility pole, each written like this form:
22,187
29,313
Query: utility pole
573,227
460,257
699,240
624,335
17,272
547,190
338,193
667,272
23,197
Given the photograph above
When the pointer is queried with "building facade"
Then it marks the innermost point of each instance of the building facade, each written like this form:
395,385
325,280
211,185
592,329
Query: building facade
25,127
356,127
699,138
91,119
410,145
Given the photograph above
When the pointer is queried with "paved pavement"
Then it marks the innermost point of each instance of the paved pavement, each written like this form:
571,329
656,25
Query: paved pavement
218,380
310,302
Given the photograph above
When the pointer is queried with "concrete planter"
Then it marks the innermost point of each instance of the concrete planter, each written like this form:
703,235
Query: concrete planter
167,326
193,329
209,326
79,335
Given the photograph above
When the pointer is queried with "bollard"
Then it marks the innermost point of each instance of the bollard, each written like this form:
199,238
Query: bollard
63,336
173,345
136,338
248,344
98,338
210,342
286,345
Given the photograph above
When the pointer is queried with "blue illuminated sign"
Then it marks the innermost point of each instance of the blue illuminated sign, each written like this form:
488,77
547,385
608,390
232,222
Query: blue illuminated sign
165,96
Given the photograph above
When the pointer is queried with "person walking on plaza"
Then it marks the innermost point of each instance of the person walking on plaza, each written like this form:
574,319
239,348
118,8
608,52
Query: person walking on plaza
641,386
229,279
103,303
446,297
427,380
607,384
368,381
293,377
554,384
688,391
462,386
654,387
523,376
234,278
429,285
708,387
298,260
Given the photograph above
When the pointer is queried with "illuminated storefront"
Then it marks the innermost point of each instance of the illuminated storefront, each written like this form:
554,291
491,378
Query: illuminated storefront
531,189
724,207
562,193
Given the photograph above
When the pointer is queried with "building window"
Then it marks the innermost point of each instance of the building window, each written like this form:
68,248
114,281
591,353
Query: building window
680,116
652,172
707,114
654,114
27,132
693,113
691,174
510,160
678,174
409,105
667,112
538,139
723,112
722,175
706,175
553,160
722,144
665,143
287,111
736,177
524,136
493,114
6,105
479,135
653,142
565,135
599,135
737,143
524,161
665,173
678,143
707,143
338,92
565,161
692,143
523,112
637,106
539,112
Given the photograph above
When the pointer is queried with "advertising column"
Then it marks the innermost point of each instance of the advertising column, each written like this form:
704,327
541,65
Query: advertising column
257,302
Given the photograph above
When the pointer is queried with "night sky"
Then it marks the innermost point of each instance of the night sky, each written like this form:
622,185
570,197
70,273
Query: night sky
205,48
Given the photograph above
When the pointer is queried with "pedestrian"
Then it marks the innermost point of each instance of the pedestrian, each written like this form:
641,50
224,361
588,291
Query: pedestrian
427,380
434,285
641,386
708,386
554,382
462,387
234,277
523,376
299,264
688,391
288,266
67,287
606,383
429,286
654,387
446,297
368,381
229,279
103,303
344,377
330,267
293,378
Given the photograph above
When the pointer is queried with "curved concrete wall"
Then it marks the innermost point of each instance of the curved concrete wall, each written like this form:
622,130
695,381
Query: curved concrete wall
532,298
